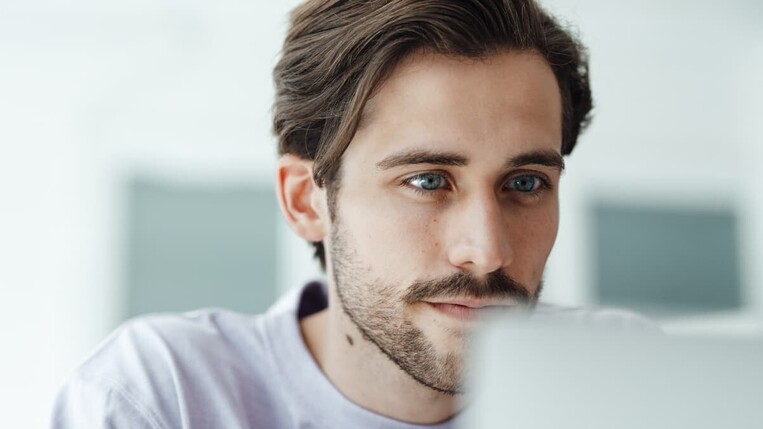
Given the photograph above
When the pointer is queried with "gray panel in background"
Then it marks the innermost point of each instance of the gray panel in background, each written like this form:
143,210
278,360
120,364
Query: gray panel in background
200,246
666,261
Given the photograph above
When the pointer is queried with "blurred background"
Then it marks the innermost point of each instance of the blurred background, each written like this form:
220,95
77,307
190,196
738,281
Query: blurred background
136,172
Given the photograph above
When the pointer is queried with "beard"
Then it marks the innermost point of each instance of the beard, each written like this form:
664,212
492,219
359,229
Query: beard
378,309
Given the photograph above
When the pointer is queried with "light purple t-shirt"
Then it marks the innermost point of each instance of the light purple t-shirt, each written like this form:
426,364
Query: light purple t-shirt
218,369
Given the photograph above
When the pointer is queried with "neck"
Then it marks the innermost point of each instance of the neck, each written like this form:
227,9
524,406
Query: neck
366,376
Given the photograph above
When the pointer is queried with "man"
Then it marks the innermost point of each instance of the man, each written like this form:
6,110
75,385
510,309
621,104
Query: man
421,146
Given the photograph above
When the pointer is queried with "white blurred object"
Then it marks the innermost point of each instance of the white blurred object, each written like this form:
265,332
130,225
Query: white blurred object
728,323
549,375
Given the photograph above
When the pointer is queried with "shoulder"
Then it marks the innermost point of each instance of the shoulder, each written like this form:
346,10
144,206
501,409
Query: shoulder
173,363
188,339
90,401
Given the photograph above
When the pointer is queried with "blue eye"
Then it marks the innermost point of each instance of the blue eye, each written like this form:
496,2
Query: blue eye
428,181
525,183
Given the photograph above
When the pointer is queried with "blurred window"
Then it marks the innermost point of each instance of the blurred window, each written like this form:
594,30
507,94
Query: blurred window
665,260
195,246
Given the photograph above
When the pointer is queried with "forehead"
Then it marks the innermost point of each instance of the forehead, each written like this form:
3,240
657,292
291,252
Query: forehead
502,104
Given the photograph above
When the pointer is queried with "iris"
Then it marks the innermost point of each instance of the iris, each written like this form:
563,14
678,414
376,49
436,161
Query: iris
428,181
525,183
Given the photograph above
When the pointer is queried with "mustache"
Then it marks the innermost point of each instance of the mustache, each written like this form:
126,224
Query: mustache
496,285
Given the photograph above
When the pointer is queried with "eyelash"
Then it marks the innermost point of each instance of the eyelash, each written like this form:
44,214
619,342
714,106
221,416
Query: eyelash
545,184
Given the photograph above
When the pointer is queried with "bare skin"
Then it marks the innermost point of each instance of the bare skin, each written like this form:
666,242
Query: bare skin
488,204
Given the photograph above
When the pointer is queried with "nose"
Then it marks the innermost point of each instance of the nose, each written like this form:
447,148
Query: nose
480,241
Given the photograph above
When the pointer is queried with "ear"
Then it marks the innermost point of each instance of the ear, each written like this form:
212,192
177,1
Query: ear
298,197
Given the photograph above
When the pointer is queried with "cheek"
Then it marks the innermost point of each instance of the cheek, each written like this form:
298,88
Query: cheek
533,236
403,237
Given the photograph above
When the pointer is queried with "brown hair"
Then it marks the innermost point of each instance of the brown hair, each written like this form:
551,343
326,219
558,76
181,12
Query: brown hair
338,52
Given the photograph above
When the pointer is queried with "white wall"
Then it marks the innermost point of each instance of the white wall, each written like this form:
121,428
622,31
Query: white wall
677,94
91,91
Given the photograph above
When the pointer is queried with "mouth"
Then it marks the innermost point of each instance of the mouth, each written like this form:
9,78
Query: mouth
467,310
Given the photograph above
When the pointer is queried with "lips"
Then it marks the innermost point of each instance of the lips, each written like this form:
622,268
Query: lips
466,309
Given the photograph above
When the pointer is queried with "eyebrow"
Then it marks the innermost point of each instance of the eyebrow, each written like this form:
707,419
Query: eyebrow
412,157
548,158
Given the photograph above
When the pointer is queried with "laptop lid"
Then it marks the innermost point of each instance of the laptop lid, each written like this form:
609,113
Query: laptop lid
552,375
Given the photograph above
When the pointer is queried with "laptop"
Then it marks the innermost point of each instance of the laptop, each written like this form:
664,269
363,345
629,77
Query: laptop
545,374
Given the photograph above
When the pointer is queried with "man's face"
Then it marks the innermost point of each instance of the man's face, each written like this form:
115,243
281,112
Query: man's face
447,204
